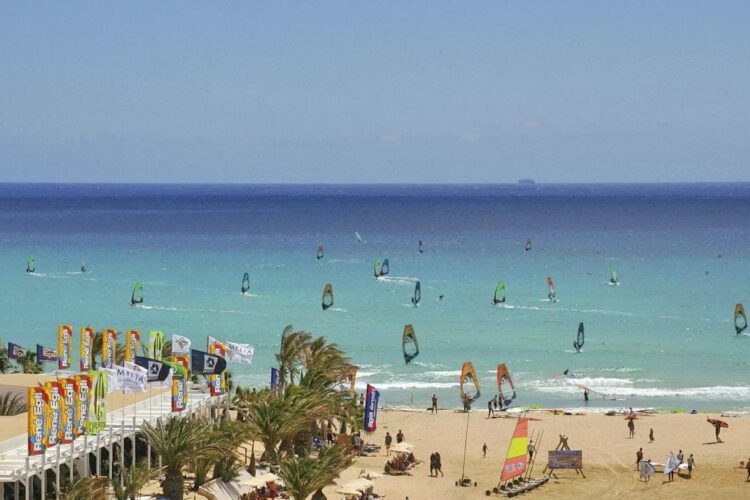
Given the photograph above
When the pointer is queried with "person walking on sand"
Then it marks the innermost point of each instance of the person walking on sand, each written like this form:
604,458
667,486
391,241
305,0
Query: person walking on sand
638,458
747,466
388,441
531,449
680,457
631,428
651,435
434,404
691,464
438,465
484,450
490,411
400,437
717,428
432,464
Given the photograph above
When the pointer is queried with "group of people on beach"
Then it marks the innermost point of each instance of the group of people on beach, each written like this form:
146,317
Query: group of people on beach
436,465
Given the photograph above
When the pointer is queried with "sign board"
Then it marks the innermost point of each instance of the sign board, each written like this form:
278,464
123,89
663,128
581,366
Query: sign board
565,459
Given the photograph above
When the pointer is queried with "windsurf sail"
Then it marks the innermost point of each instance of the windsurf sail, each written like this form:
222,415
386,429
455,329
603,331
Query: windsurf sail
671,464
578,344
137,296
359,238
421,247
417,294
646,469
327,300
515,460
468,374
83,266
30,265
551,291
528,245
505,385
613,275
409,344
740,319
499,297
320,252
245,283
385,268
376,268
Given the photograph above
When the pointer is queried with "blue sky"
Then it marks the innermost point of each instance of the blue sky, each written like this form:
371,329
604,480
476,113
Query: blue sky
374,91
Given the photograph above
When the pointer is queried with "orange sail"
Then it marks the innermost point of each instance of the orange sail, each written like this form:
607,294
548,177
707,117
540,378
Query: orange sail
468,374
504,381
515,460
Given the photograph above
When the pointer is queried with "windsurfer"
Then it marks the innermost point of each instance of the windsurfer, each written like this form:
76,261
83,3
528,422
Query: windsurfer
586,395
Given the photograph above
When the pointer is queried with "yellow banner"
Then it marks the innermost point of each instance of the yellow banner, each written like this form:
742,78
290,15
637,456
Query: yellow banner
70,390
64,346
37,420
82,403
109,344
97,415
217,383
132,345
87,347
55,413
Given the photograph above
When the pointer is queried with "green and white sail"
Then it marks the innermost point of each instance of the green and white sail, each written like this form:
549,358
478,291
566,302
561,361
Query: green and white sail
499,297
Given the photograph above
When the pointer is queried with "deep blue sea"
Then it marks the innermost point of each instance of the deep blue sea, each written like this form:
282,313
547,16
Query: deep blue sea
663,338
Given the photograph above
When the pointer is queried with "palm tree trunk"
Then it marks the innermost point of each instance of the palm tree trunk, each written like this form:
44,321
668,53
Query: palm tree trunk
173,484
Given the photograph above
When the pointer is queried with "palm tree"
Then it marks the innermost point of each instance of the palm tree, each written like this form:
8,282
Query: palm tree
181,441
292,345
304,476
136,480
88,488
5,363
29,363
226,435
11,404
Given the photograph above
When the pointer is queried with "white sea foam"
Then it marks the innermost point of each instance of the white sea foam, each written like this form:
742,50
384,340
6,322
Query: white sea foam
409,385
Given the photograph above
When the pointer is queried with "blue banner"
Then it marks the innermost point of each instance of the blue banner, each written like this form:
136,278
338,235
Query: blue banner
203,363
15,351
45,353
371,408
274,380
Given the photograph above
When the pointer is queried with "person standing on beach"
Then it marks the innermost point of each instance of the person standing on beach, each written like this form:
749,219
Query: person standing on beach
651,435
638,458
484,450
465,399
531,449
434,404
490,411
388,441
438,464
680,457
691,464
432,464
717,428
747,466
631,427
400,437
494,402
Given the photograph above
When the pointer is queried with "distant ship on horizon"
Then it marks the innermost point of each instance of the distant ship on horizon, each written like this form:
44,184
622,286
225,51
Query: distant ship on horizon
526,182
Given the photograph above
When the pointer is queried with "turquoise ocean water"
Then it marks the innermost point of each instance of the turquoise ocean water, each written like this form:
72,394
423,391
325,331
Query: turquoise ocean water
663,338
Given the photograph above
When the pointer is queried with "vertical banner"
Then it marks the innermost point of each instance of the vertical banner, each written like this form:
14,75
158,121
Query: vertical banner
155,345
37,422
97,418
55,414
371,408
179,393
64,346
217,383
83,384
274,380
132,345
70,391
87,347
109,344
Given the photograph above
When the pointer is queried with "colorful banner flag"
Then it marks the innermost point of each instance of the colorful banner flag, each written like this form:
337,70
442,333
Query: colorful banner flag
179,393
70,389
97,417
515,460
211,341
203,363
185,362
82,403
64,346
132,344
131,380
109,347
155,345
240,353
274,380
55,414
217,382
37,422
87,347
372,396
156,371
180,345
45,354
15,351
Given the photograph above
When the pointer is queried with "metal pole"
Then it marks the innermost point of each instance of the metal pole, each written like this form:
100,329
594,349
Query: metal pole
466,441
132,443
85,455
98,455
72,459
15,490
110,449
57,473
122,452
44,475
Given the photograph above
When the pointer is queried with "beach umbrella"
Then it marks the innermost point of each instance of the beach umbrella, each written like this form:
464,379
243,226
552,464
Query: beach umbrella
402,448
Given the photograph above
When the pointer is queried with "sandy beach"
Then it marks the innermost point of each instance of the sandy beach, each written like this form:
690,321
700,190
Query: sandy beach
608,455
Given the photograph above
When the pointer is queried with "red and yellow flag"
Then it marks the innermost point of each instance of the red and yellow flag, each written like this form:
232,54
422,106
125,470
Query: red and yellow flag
515,460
